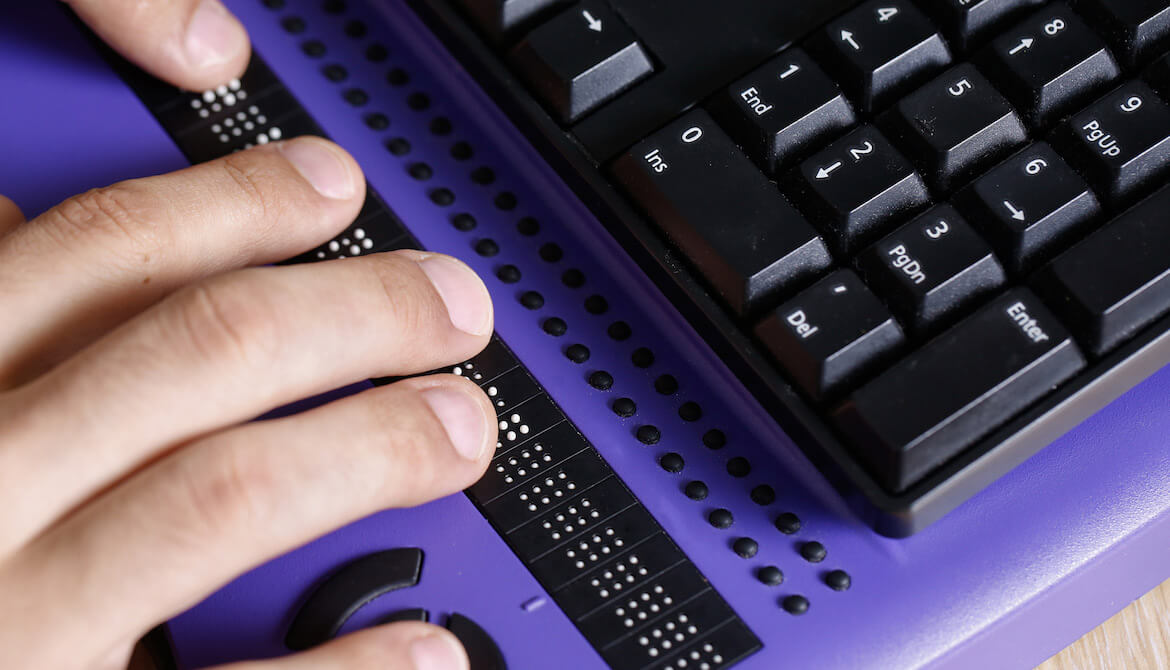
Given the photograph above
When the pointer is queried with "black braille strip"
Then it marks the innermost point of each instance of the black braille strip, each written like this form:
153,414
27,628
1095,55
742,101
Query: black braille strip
420,171
573,278
377,121
398,146
397,77
648,434
461,151
813,552
551,252
441,126
313,48
666,384
738,467
787,523
601,380
838,580
770,575
619,331
672,462
763,495
714,439
356,29
721,518
487,247
463,222
506,201
745,547
293,24
690,411
625,407
443,197
377,53
418,101
528,226
642,357
795,604
356,97
532,300
696,490
596,304
509,274
555,326
578,353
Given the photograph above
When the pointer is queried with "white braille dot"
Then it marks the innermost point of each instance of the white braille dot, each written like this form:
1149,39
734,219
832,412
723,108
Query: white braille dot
223,138
229,99
215,128
196,103
262,139
242,94
208,96
216,107
355,250
275,133
503,425
320,254
221,90
234,84
653,652
228,123
236,132
203,113
334,246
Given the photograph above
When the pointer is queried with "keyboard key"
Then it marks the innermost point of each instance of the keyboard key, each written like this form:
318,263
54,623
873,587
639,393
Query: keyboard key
1049,63
1135,28
857,186
939,400
830,334
968,21
727,218
580,59
1115,281
1029,205
499,18
881,49
931,268
1158,74
955,125
1121,142
783,107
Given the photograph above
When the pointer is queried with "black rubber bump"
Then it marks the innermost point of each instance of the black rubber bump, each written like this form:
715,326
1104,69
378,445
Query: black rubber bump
672,462
578,353
813,552
356,29
795,604
770,575
441,126
745,547
418,101
532,300
642,357
506,201
274,4
739,467
335,73
648,434
313,48
356,97
714,439
551,252
555,326
443,197
333,6
397,77
666,385
487,247
624,407
398,146
690,411
420,171
838,580
462,151
483,175
721,518
596,304
293,24
619,331
601,380
696,490
509,274
573,278
464,222
763,495
787,523
377,53
528,226
377,121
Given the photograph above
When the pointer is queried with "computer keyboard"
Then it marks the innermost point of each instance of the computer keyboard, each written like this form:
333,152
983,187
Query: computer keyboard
930,236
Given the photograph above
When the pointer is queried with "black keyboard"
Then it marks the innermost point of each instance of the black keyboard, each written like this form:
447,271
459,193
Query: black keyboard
931,236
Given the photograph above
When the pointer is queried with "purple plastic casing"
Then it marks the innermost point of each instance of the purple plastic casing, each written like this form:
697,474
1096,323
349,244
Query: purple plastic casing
1004,581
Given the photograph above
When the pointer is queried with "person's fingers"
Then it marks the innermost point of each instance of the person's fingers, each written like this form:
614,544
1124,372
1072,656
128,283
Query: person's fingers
159,542
10,216
193,44
224,351
83,267
398,646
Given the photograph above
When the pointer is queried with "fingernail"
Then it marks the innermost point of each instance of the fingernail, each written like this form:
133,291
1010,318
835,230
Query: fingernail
469,306
321,166
437,652
462,417
213,35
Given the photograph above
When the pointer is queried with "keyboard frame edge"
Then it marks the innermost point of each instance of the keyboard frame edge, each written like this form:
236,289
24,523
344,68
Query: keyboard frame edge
892,515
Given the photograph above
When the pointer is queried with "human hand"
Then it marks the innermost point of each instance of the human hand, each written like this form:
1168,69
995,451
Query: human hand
135,344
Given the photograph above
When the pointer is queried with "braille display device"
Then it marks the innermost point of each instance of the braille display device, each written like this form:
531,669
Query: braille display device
830,334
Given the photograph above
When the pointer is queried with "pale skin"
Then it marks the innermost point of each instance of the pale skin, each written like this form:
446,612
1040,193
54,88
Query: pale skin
140,336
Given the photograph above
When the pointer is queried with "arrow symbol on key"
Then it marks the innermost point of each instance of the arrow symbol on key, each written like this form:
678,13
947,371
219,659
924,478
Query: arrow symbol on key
824,172
594,24
1024,45
847,36
1017,214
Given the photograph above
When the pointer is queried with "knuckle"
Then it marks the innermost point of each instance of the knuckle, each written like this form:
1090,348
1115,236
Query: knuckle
221,496
119,217
226,323
262,188
412,301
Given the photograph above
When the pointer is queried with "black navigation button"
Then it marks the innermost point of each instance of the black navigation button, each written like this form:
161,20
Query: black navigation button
481,649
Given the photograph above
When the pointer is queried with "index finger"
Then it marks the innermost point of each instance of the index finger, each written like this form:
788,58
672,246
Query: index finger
193,44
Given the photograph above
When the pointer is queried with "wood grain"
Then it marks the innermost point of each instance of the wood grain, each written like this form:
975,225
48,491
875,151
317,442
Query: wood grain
1136,638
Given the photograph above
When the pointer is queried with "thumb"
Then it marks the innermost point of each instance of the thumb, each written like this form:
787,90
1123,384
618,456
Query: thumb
398,646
